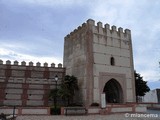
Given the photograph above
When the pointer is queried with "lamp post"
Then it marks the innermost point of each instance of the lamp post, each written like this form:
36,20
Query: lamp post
56,79
14,111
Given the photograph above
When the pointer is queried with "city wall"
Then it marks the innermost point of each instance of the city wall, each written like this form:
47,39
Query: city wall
27,85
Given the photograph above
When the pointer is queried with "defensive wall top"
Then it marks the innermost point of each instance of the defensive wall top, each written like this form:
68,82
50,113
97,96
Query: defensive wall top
106,28
23,63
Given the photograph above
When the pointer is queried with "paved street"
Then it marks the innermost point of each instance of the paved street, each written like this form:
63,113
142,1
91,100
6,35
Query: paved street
125,116
152,115
154,111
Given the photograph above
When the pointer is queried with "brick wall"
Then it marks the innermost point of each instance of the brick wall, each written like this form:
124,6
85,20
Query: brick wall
23,85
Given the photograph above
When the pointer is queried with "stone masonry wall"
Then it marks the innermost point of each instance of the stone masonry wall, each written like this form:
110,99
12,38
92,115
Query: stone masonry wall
27,85
75,59
110,42
87,53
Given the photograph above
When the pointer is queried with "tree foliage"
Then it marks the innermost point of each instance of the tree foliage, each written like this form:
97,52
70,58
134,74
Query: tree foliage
141,85
66,91
68,87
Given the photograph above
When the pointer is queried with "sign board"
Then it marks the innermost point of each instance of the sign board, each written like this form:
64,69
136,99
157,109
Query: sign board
103,100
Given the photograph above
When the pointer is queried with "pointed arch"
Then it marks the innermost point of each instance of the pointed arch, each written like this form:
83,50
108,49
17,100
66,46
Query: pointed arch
113,91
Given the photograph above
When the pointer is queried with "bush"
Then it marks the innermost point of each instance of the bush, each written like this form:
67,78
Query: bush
95,104
55,111
2,116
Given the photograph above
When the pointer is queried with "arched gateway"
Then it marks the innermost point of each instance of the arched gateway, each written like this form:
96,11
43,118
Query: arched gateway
113,91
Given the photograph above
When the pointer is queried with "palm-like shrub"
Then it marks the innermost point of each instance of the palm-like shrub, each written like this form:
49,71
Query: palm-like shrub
68,88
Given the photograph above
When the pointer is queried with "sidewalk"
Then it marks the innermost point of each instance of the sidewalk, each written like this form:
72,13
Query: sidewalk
85,117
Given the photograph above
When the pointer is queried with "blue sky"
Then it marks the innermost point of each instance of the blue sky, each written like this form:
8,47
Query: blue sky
34,30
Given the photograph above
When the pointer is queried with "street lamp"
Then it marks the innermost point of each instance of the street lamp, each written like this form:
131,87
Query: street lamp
56,79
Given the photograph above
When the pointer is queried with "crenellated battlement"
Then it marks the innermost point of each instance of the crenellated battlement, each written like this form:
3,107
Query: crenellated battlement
79,28
107,27
23,63
100,29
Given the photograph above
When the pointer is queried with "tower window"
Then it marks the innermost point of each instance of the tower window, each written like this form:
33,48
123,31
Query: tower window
112,61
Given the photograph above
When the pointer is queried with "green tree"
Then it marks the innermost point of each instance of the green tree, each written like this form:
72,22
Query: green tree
64,93
68,88
141,85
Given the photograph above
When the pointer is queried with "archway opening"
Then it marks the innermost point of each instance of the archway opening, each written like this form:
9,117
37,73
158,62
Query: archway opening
113,91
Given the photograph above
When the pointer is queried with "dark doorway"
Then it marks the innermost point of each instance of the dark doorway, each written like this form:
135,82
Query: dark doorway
113,92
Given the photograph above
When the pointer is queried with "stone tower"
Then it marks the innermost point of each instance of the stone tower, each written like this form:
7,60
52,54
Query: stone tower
102,60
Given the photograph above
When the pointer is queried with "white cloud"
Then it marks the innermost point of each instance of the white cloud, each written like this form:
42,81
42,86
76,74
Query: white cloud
146,63
5,52
27,58
111,11
150,75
